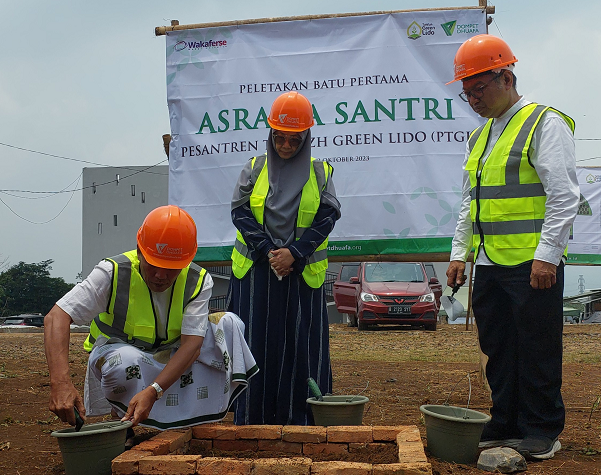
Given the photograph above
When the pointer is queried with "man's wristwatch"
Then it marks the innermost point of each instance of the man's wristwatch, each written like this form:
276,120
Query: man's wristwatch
158,389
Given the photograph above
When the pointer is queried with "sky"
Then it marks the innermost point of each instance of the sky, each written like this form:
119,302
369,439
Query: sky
86,81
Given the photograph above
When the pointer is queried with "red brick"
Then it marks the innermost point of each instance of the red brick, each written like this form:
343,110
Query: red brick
350,434
341,468
236,445
169,465
281,446
214,431
266,432
127,462
313,449
155,447
201,444
368,448
411,448
223,466
411,452
417,468
386,433
408,434
314,434
176,438
283,466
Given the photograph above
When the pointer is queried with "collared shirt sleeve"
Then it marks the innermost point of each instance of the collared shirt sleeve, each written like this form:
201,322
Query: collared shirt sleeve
552,154
90,297
462,240
196,314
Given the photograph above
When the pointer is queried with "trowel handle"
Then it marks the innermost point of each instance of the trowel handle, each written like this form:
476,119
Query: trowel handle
314,388
78,420
456,287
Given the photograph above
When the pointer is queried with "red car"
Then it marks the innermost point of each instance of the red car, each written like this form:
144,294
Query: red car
399,293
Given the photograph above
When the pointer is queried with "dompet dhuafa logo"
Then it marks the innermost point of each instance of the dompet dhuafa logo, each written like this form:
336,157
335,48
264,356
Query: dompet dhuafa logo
449,27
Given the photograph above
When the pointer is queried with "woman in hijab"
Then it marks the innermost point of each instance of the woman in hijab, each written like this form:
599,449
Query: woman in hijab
284,207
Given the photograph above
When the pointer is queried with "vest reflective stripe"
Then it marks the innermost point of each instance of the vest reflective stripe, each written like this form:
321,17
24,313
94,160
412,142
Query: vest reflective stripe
508,199
319,255
130,314
509,191
315,270
474,136
120,302
510,227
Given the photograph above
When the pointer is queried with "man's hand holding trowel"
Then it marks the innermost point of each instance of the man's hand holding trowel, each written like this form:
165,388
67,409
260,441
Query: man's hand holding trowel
455,278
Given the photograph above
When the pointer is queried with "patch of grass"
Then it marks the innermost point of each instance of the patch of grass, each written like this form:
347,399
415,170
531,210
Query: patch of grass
4,373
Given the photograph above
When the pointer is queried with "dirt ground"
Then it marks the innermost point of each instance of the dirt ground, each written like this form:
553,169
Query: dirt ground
398,369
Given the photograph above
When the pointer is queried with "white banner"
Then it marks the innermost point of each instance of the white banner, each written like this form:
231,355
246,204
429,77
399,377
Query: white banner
392,129
584,246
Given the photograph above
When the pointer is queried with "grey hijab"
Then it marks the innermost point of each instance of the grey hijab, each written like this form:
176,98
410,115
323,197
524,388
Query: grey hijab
286,181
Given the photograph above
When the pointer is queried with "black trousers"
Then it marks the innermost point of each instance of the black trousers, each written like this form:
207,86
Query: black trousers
520,330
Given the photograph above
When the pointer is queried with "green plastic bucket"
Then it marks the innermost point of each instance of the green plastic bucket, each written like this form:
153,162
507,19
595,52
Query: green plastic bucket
91,450
453,433
338,410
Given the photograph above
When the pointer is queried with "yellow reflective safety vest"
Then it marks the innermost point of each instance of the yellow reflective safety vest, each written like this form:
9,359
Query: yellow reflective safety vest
314,273
130,314
507,197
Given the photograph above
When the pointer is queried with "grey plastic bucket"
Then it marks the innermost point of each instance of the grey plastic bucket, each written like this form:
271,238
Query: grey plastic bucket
453,433
91,450
338,410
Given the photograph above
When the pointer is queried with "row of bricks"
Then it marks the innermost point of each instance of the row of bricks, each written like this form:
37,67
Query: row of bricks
283,447
297,434
137,463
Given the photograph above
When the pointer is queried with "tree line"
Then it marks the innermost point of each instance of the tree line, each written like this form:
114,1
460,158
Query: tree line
28,288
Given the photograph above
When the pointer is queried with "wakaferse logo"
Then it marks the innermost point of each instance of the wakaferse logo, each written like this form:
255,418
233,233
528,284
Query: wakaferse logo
182,45
414,31
449,27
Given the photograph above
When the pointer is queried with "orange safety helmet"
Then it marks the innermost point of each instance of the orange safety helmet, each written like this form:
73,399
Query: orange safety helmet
167,238
481,53
291,112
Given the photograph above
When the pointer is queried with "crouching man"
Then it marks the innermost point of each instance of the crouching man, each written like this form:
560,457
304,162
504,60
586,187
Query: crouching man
156,357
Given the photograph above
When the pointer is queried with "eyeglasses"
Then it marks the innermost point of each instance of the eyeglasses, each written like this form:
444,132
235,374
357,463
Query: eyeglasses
293,140
478,92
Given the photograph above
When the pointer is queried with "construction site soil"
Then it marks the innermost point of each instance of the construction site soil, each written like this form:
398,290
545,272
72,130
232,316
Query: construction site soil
398,369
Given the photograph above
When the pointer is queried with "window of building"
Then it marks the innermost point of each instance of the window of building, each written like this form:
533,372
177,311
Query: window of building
99,228
133,190
114,220
143,197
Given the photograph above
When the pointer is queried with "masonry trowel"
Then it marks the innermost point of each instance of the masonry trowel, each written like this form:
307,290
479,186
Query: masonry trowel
451,305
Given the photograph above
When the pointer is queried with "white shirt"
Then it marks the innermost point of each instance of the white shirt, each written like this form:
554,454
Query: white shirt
552,153
90,298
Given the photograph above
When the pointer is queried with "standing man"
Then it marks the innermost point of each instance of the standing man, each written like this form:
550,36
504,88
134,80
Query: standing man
520,198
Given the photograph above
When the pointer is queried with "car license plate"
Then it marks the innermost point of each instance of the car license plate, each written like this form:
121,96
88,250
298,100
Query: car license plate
400,310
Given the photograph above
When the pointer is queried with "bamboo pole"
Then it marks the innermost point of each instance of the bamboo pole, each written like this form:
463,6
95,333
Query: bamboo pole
163,30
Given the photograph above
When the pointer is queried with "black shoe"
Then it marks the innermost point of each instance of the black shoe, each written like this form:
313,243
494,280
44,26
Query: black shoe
492,438
538,448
